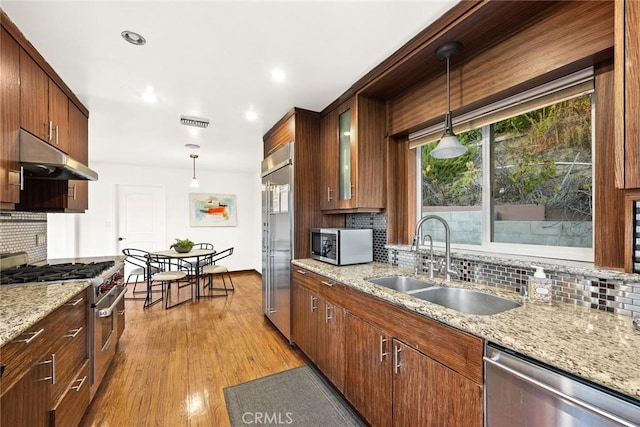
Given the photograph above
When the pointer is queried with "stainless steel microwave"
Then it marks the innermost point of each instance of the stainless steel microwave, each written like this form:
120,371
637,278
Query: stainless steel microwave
342,246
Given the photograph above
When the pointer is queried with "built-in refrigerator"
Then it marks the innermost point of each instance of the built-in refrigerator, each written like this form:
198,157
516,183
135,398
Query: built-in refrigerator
277,237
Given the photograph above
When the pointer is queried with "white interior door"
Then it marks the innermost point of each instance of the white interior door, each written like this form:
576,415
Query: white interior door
141,218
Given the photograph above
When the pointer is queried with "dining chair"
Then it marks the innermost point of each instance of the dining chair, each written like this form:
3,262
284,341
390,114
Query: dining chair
190,266
170,272
214,268
140,260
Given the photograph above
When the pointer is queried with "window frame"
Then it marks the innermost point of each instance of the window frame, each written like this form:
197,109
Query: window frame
486,246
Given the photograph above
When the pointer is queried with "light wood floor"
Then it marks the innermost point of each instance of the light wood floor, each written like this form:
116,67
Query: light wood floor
172,365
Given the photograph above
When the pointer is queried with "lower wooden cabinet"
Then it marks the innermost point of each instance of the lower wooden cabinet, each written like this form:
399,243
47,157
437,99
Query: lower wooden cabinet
395,367
305,326
72,404
26,403
368,357
42,365
331,342
427,393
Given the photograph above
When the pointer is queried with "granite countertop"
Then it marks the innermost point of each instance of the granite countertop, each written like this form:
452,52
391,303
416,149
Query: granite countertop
598,346
23,305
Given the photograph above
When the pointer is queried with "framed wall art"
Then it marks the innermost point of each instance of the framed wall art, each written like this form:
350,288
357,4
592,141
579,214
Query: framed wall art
213,210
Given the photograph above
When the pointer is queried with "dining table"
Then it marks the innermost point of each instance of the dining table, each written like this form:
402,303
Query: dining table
195,257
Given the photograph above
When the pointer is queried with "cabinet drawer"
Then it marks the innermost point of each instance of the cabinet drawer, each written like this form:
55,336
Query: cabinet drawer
71,406
306,278
20,354
69,325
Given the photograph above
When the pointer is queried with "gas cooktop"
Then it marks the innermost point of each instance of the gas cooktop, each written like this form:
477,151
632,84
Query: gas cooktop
53,272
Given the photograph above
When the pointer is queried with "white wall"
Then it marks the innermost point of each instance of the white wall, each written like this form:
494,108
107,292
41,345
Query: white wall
95,233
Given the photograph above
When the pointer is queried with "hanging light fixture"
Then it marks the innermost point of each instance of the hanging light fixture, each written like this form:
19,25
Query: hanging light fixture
194,181
449,146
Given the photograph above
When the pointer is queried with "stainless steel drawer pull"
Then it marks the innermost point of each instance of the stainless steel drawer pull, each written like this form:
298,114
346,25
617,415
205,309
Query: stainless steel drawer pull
52,362
330,284
121,313
302,272
50,136
73,333
314,307
383,353
396,359
57,134
79,386
32,337
329,198
76,302
327,308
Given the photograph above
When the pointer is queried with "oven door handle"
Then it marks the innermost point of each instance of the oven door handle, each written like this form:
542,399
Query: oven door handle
107,312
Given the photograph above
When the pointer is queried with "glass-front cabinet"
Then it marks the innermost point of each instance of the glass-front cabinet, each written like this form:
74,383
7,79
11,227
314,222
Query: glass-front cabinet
345,181
353,157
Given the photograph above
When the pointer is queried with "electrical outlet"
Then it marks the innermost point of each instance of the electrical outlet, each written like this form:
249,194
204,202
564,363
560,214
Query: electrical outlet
41,239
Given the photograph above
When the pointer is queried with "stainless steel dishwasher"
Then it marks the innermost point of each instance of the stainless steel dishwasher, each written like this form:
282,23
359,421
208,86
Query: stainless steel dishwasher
523,392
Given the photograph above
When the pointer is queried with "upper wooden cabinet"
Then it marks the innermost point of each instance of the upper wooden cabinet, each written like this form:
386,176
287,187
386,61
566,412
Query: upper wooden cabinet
627,93
9,121
44,108
353,138
78,191
302,127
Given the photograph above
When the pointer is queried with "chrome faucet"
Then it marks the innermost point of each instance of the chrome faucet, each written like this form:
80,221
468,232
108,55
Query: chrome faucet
447,233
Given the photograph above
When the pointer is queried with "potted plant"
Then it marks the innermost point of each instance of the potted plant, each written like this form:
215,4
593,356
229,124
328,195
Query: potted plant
182,246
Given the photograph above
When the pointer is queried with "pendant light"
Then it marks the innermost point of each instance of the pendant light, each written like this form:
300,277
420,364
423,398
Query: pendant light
194,181
449,147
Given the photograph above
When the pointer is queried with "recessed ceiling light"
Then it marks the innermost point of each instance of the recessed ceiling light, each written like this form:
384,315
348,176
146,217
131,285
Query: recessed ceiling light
192,146
133,38
149,95
251,115
277,74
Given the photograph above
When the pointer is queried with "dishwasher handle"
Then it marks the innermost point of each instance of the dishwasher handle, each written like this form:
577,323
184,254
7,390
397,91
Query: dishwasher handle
493,361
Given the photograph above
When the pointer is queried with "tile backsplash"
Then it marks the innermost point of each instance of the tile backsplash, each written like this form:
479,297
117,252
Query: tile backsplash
24,232
603,290
378,222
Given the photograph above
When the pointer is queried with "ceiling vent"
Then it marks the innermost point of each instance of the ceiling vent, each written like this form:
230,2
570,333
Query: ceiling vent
198,122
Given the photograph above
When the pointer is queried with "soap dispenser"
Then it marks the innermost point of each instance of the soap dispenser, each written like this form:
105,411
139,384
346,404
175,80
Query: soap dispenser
540,287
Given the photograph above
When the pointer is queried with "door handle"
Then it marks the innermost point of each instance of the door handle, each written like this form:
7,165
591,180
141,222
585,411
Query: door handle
120,239
107,312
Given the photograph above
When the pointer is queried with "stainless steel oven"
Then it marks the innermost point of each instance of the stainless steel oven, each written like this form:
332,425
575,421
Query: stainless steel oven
107,318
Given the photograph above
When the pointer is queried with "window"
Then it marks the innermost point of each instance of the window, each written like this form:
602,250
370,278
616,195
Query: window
525,185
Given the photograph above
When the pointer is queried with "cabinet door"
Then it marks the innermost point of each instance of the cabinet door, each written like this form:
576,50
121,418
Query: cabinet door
59,117
34,98
305,321
331,342
368,380
9,121
27,402
347,155
329,161
78,148
426,393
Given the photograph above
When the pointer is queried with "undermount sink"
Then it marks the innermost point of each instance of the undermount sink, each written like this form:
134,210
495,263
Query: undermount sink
466,300
401,283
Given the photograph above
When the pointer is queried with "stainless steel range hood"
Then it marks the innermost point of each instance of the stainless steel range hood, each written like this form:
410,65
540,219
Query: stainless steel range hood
43,161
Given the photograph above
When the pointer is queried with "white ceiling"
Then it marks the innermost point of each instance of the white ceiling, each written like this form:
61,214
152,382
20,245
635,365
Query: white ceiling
210,59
